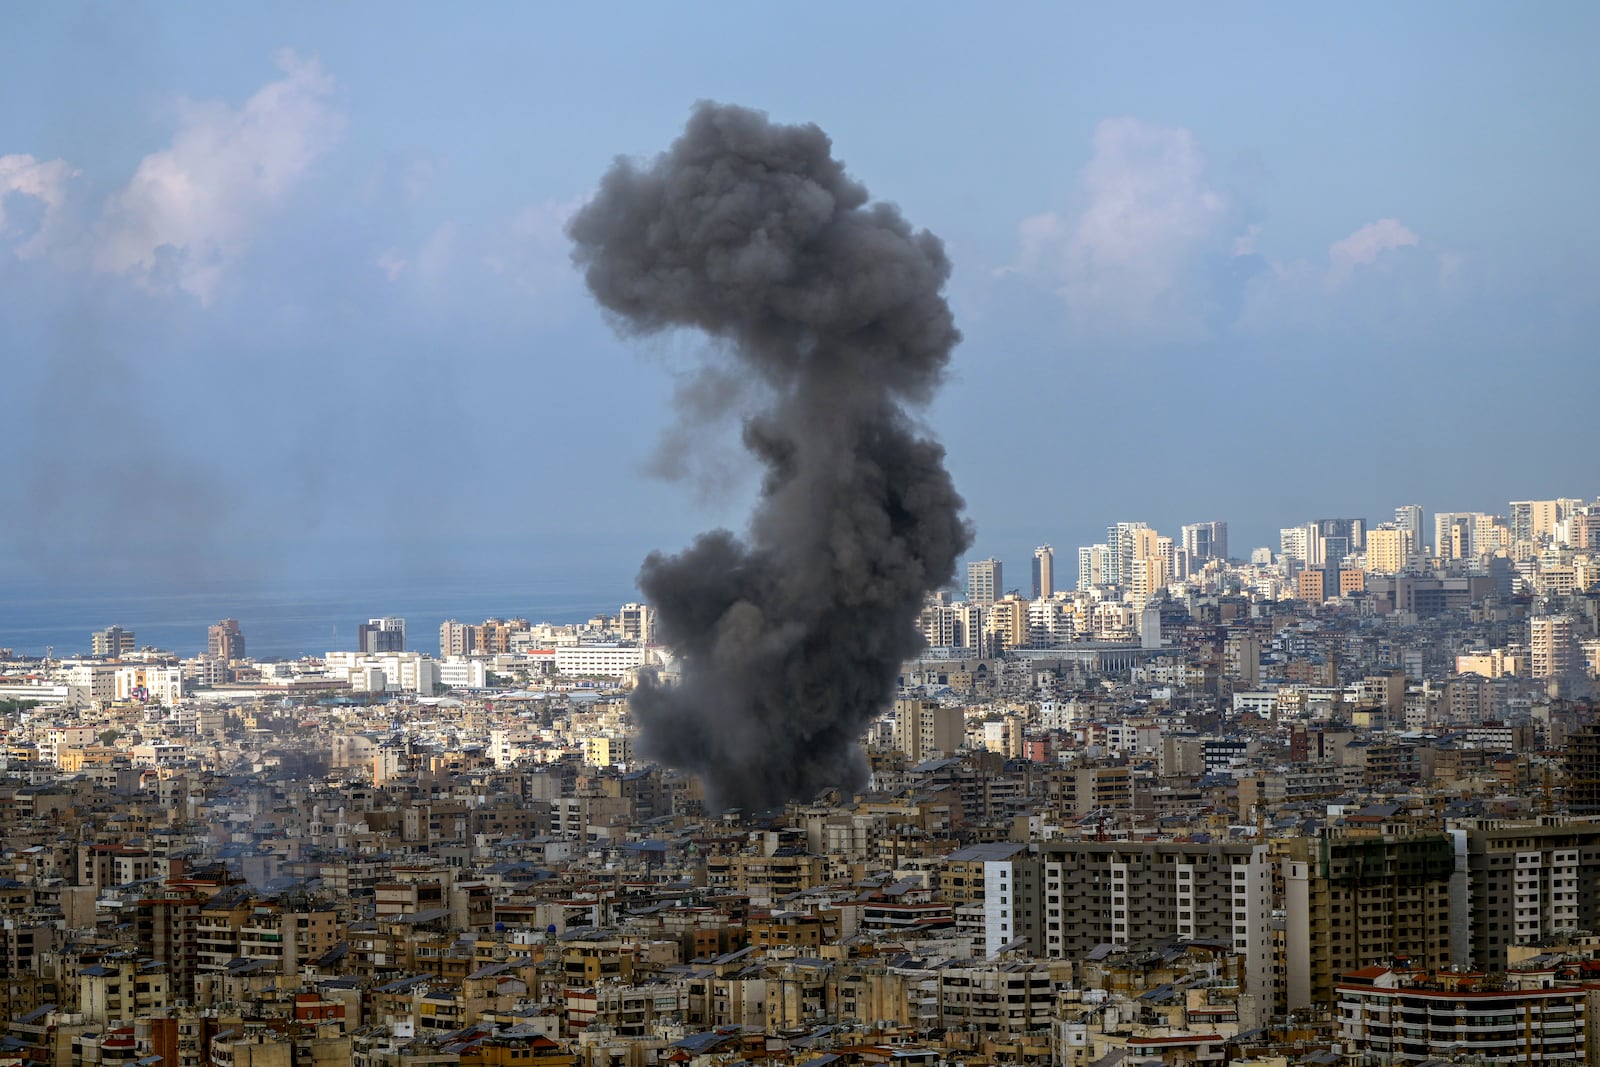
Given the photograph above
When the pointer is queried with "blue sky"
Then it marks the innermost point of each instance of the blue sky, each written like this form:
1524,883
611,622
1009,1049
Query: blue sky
284,288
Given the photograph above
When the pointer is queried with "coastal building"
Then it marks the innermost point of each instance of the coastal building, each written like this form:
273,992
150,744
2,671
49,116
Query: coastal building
112,642
386,634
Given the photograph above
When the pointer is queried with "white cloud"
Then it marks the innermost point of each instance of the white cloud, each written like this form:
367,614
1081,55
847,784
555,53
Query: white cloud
191,209
1133,257
45,182
1369,278
1362,248
392,263
1153,251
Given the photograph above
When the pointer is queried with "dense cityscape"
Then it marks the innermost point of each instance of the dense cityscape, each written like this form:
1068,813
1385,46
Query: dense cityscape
547,535
1332,801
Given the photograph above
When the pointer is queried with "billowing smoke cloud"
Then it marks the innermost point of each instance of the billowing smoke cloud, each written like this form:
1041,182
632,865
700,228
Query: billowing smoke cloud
789,639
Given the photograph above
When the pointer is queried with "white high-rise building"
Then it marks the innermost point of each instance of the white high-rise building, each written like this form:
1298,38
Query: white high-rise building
938,622
969,627
1050,623
1302,543
1094,564
1409,518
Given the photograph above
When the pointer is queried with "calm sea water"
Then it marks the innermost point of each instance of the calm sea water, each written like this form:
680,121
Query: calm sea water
286,620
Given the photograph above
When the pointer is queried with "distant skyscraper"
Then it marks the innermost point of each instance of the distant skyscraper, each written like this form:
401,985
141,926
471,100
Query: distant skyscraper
1205,540
1302,543
1581,529
1334,550
1354,531
225,640
1454,535
938,621
1094,562
387,634
1532,520
1409,518
1128,541
1044,569
113,641
984,583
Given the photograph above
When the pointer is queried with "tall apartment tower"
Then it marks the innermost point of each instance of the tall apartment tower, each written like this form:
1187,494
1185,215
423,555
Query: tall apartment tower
1044,571
1582,759
1094,563
1389,549
1302,543
984,583
1205,540
1128,541
387,634
225,640
1409,518
1533,519
1541,877
1350,901
1454,535
1352,531
457,638
1552,646
111,642
924,729
938,622
1135,893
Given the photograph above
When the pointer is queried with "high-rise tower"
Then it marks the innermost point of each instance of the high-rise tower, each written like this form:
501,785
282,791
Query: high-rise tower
984,583
1205,540
225,640
1044,569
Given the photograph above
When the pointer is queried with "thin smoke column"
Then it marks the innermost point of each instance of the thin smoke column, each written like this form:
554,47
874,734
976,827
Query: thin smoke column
789,639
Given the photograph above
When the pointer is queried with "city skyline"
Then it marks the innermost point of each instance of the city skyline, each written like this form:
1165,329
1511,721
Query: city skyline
1386,547
1135,229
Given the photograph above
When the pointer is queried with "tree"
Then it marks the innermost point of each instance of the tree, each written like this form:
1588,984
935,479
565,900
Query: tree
109,737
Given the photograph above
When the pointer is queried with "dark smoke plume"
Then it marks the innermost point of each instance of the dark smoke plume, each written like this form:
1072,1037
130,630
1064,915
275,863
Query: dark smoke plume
789,640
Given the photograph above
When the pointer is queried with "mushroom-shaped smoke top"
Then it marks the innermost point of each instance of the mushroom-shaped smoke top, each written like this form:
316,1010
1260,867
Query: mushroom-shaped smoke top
788,639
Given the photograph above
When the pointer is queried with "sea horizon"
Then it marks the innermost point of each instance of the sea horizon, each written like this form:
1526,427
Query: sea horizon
284,620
